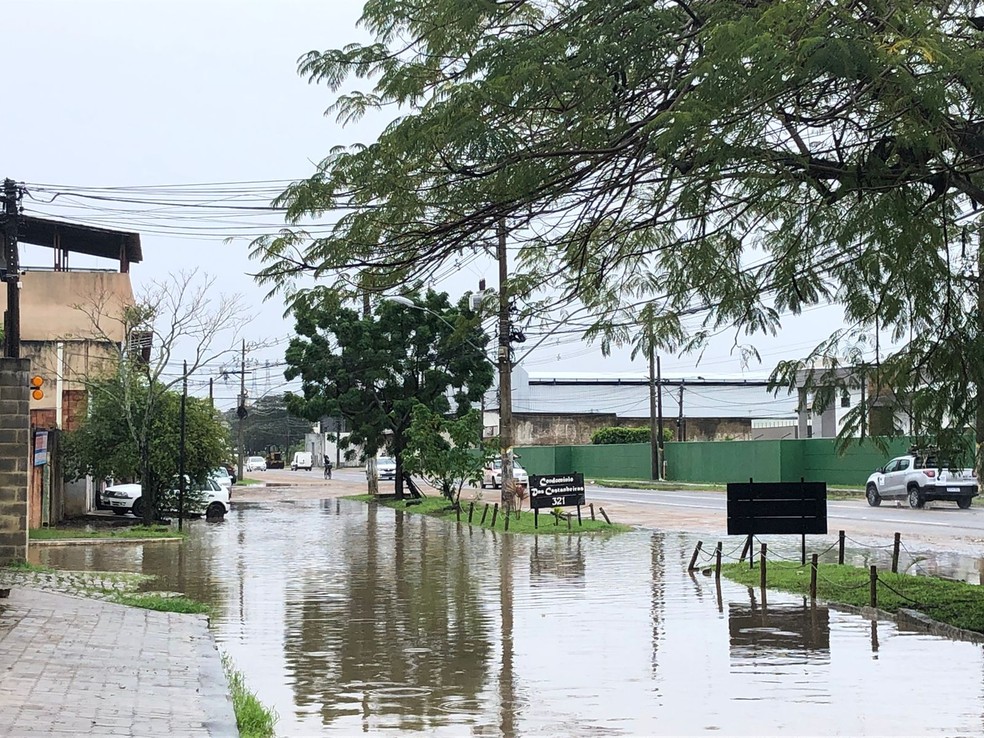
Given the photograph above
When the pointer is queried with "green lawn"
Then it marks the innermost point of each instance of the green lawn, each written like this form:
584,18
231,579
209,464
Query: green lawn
837,493
129,531
150,601
252,718
956,603
548,524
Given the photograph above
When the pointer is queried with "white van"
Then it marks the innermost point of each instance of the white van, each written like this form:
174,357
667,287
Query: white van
302,460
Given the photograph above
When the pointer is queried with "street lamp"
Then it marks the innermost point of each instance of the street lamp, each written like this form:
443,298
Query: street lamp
504,365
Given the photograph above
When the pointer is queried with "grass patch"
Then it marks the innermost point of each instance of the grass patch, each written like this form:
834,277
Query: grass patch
957,603
22,565
252,718
667,486
438,507
245,482
130,531
149,601
833,493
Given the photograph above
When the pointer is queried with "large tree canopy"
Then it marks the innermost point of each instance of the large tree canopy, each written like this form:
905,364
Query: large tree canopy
657,159
374,369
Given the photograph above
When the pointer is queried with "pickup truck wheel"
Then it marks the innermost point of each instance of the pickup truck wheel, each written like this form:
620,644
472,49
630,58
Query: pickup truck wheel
872,495
963,503
915,497
137,508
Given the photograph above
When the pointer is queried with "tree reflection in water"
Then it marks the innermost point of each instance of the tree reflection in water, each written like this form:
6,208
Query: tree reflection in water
392,626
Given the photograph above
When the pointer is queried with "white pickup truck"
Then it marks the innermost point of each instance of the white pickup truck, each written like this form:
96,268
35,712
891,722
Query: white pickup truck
921,478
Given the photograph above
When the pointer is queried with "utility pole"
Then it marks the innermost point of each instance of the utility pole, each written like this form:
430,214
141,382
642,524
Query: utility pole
11,268
181,449
659,417
505,374
979,409
681,428
241,412
653,425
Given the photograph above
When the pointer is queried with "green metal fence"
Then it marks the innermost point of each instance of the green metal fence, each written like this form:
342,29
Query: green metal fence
814,459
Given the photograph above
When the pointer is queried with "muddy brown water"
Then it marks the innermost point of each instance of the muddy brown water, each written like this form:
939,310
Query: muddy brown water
349,619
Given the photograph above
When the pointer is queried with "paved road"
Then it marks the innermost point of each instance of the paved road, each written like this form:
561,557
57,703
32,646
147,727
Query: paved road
72,666
940,524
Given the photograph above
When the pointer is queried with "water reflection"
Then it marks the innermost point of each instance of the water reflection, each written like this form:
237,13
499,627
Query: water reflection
399,633
781,633
348,619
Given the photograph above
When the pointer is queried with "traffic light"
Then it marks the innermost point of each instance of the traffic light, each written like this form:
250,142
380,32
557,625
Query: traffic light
36,392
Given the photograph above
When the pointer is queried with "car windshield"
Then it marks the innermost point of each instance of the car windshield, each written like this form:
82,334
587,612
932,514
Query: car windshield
385,460
256,458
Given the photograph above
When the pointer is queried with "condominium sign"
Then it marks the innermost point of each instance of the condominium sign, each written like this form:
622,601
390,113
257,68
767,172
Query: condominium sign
557,490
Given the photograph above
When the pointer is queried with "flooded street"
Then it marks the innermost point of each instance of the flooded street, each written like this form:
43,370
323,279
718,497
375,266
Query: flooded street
348,619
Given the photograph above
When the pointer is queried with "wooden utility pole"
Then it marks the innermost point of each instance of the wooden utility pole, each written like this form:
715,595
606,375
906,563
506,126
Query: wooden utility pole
979,408
654,433
505,374
11,221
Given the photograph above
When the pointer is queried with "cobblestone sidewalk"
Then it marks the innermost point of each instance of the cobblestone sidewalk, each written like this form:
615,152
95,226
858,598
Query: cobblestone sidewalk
85,666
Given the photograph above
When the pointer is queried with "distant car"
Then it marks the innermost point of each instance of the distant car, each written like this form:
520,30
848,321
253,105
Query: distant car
255,463
385,467
127,498
492,476
302,460
920,477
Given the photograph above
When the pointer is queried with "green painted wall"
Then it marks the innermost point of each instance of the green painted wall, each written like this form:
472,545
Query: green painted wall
814,459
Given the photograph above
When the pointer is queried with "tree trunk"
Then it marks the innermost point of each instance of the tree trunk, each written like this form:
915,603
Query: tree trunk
147,496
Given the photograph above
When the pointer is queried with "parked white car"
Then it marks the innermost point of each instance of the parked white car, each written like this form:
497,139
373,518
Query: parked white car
221,476
385,467
255,463
492,476
127,498
921,477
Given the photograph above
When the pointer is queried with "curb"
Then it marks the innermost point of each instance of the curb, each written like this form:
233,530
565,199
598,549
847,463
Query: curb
89,541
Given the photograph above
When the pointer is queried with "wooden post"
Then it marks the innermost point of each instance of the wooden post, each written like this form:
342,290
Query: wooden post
591,507
693,559
762,566
495,514
484,513
895,553
536,518
873,585
746,549
505,519
717,561
803,549
579,515
471,511
604,514
556,517
840,547
569,521
813,577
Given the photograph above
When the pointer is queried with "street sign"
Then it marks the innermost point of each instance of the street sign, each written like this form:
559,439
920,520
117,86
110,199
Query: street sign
755,508
40,447
556,490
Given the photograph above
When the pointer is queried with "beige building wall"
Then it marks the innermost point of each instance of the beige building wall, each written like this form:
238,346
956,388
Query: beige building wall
78,310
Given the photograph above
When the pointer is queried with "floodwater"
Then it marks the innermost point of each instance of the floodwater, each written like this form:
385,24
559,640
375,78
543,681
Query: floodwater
350,619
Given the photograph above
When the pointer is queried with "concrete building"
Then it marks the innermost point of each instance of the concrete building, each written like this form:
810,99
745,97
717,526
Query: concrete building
71,329
560,408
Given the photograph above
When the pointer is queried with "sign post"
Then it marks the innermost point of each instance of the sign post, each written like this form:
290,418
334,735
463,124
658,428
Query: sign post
555,490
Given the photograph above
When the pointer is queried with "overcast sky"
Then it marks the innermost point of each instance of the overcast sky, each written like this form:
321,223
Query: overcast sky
128,94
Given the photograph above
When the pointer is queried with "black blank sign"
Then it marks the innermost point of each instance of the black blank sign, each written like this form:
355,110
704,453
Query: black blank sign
756,508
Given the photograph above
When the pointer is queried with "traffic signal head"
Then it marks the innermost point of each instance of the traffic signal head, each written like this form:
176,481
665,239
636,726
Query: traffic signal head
36,392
